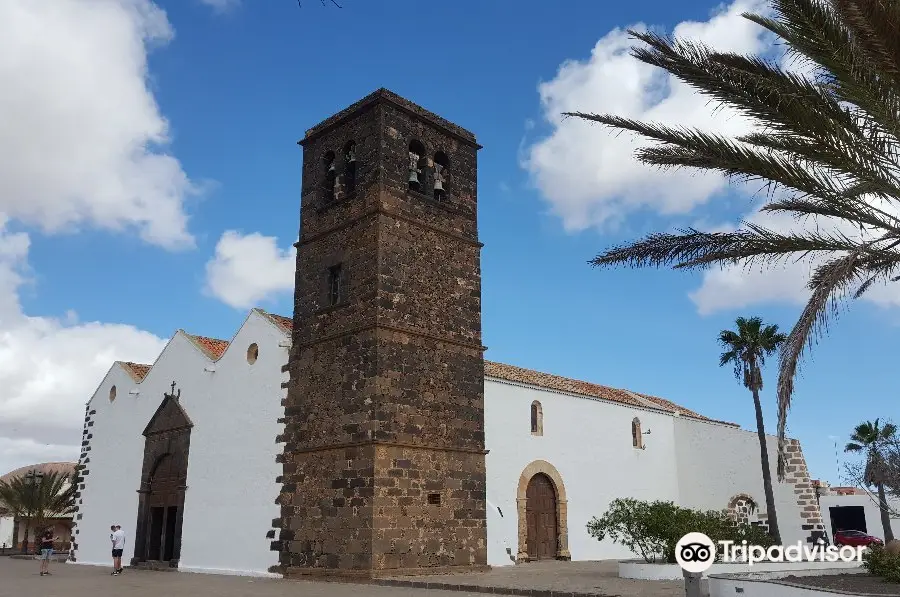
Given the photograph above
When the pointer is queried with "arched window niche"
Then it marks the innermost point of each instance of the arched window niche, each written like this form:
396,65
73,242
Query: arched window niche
537,418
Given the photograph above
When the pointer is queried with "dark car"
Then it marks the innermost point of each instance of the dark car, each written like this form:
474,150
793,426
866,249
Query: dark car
855,539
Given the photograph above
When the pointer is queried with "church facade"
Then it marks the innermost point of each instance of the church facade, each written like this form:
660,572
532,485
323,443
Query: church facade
367,435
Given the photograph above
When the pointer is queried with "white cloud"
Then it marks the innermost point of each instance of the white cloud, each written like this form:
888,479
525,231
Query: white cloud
222,5
81,146
737,287
49,368
248,269
586,172
82,139
15,453
590,178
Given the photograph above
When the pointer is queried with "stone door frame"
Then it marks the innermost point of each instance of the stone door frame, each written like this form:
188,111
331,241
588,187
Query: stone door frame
542,467
167,435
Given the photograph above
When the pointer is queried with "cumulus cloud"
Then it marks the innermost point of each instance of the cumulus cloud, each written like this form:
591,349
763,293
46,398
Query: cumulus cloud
735,287
590,177
49,368
222,5
22,452
588,174
82,145
247,269
83,140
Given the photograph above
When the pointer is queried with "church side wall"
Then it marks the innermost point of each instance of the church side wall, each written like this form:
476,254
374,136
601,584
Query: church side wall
113,472
716,463
230,501
589,443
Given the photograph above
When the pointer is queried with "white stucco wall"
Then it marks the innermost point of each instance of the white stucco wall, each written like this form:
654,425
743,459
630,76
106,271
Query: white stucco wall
6,530
589,443
230,500
870,506
716,462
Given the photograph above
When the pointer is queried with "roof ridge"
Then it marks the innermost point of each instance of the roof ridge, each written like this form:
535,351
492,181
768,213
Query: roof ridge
214,348
576,386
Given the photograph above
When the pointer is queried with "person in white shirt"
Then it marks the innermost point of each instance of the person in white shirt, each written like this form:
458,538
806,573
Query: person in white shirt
118,546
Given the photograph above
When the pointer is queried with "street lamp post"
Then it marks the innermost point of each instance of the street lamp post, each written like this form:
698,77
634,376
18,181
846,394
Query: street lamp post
33,478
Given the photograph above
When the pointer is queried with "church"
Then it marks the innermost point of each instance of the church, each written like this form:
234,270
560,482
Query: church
366,435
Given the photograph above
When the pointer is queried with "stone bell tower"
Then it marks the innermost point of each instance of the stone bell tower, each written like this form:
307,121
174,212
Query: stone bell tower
384,459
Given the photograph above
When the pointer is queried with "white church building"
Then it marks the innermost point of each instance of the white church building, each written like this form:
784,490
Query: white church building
589,444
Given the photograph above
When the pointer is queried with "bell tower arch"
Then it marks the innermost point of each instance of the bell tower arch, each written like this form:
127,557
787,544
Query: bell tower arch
384,459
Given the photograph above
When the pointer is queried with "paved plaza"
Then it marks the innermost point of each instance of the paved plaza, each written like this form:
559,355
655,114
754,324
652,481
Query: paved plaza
20,577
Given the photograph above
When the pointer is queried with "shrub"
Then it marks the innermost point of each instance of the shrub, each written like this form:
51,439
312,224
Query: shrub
883,563
652,529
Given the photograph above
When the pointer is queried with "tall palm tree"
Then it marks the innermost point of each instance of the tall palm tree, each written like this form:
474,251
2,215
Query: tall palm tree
38,498
869,437
830,141
746,350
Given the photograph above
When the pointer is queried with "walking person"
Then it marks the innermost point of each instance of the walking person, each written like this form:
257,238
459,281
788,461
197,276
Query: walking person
47,541
118,546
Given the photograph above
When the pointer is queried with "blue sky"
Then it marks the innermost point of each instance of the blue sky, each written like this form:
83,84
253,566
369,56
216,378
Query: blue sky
239,85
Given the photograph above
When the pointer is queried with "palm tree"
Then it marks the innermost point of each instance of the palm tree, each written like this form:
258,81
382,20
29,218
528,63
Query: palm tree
829,141
36,498
746,350
869,437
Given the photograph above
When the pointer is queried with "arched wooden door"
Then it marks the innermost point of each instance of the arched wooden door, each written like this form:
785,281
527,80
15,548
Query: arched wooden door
540,516
163,484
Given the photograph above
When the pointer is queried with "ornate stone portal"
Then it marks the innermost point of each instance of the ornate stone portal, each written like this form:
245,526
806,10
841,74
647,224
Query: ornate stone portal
157,540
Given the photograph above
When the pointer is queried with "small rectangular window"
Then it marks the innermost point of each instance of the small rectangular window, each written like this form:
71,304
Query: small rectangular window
434,499
335,283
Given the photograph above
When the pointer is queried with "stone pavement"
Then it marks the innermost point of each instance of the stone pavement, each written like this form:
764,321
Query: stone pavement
598,579
556,579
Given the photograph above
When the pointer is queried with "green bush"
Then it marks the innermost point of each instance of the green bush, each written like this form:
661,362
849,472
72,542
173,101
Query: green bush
652,529
882,563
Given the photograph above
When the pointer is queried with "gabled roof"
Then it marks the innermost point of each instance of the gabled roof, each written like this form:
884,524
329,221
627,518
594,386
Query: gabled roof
214,348
285,323
584,388
137,371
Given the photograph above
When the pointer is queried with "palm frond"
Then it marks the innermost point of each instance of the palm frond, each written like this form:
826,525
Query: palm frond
826,284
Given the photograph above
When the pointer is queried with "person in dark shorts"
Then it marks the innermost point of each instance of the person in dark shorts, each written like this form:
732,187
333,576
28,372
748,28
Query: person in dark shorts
47,540
118,546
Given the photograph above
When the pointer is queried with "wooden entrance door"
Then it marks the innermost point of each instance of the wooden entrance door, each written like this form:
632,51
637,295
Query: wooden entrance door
164,497
163,484
540,516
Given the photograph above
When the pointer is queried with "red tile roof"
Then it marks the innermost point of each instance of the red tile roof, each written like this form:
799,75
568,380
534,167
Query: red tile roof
584,388
137,370
555,382
213,347
286,323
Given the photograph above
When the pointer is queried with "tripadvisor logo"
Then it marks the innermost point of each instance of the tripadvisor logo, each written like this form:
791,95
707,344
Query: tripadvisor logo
695,552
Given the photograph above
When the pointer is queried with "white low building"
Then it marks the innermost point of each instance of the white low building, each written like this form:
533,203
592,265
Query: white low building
856,509
583,443
13,529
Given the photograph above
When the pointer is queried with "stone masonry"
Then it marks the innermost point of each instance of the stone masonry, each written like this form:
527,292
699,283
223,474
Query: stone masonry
82,471
384,459
797,475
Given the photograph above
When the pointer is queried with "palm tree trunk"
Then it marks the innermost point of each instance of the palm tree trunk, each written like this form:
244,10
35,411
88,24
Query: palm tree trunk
885,514
771,516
